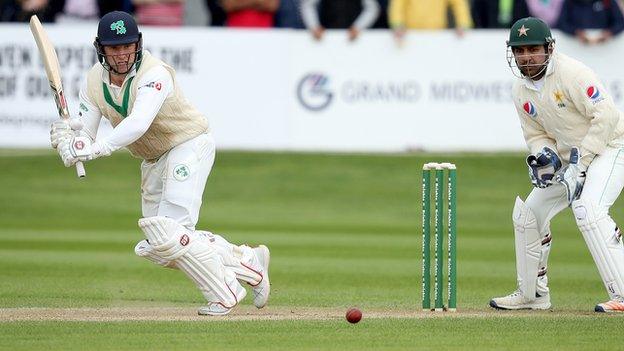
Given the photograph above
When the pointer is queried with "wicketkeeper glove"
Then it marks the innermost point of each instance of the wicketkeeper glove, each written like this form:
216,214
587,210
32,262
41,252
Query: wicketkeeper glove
572,176
542,167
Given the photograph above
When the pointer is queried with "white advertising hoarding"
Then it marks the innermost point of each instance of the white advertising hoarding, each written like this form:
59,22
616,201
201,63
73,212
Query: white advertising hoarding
281,90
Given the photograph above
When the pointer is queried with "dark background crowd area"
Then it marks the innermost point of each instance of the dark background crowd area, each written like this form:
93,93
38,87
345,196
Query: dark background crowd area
577,18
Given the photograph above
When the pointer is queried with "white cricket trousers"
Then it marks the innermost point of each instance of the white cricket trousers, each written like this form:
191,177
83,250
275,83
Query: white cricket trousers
603,185
173,186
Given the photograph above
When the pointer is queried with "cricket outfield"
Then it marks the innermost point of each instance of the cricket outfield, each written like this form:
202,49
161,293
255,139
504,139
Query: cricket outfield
344,230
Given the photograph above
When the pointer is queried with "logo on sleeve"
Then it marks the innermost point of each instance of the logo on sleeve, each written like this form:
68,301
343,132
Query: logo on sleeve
594,94
155,85
529,108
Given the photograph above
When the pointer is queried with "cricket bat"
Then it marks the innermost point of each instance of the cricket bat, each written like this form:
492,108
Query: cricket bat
53,71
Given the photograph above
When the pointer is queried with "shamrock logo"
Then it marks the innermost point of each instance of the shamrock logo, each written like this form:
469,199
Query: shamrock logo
119,26
181,172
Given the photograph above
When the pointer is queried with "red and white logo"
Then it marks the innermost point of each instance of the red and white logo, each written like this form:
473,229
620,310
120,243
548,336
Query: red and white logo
79,145
529,108
184,240
593,92
155,85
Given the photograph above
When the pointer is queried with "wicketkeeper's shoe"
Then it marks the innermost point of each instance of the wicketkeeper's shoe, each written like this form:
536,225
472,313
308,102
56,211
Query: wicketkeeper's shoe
615,305
213,309
516,301
263,289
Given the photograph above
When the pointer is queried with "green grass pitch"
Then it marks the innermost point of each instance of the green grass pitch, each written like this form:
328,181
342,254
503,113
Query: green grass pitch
344,230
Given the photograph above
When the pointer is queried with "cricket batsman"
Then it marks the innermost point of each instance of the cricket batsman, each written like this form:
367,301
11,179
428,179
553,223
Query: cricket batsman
140,97
575,136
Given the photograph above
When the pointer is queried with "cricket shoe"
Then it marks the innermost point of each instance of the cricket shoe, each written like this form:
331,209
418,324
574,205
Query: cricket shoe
213,309
218,309
263,289
615,305
517,301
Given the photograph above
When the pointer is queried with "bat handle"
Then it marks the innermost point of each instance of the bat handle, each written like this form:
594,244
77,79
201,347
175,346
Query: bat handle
80,170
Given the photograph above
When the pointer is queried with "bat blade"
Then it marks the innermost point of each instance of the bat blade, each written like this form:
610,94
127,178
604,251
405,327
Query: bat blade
53,72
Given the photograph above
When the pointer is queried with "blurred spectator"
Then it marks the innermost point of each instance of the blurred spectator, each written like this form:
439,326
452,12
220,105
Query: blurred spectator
288,15
250,13
217,15
79,10
9,10
51,10
106,6
382,19
546,10
159,12
21,10
354,15
579,16
499,13
427,14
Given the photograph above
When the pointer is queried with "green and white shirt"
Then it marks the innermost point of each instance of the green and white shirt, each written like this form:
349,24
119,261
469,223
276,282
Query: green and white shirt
148,112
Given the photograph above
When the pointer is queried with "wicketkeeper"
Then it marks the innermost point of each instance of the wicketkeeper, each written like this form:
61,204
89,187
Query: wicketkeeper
576,138
140,97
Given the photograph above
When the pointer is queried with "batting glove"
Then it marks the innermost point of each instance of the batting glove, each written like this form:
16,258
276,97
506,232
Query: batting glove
80,148
59,130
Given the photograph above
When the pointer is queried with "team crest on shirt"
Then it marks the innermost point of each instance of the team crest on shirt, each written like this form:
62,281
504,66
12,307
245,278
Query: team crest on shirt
594,94
529,108
181,172
559,98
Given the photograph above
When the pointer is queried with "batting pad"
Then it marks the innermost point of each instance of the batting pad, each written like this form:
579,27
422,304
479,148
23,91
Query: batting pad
528,248
144,249
240,259
601,236
196,258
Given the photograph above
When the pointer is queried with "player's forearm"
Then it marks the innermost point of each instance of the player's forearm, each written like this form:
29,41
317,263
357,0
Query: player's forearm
599,134
309,14
133,126
89,114
461,13
153,89
370,12
534,134
396,14
537,143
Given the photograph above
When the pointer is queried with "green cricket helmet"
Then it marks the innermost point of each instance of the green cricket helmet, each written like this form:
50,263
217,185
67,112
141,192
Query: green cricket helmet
529,31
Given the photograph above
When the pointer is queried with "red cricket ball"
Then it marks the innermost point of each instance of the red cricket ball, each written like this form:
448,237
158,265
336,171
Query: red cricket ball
353,315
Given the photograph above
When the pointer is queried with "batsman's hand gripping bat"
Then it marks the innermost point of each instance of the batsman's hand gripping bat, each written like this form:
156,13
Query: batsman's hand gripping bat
53,71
